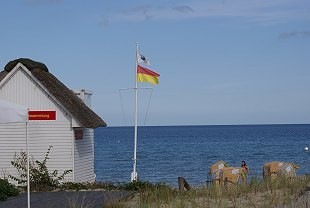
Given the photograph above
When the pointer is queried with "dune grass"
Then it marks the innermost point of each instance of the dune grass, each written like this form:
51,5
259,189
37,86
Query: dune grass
282,191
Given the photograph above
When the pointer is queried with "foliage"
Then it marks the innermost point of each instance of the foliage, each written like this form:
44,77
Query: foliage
40,178
73,186
86,186
7,189
132,186
135,185
280,192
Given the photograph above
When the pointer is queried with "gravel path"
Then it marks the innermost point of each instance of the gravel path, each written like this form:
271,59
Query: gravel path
64,199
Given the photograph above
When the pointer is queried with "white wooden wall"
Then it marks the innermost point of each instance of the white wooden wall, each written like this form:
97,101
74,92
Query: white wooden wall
84,149
12,140
56,134
40,136
66,152
23,90
84,157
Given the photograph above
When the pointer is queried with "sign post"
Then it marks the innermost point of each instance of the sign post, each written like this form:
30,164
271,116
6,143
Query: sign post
39,115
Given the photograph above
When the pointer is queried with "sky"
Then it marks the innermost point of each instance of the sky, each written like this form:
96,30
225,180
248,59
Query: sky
221,62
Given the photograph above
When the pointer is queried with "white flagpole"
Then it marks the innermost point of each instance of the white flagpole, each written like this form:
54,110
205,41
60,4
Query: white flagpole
134,174
28,171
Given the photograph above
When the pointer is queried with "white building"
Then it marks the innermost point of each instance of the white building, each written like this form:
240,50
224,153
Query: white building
69,127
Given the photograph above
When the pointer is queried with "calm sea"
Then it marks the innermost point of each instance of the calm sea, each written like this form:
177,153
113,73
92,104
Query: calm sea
165,153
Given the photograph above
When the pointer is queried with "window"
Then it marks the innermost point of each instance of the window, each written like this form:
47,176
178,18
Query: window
78,133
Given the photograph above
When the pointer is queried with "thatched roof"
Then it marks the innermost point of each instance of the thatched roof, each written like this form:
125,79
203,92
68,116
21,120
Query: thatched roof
30,64
77,108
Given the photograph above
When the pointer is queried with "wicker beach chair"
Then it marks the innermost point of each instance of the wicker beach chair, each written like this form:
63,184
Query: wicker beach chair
230,175
215,172
275,169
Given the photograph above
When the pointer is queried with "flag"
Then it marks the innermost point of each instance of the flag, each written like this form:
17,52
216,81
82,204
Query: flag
12,112
146,75
143,60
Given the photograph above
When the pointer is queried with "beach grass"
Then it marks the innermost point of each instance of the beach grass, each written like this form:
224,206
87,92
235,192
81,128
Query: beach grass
287,192
279,192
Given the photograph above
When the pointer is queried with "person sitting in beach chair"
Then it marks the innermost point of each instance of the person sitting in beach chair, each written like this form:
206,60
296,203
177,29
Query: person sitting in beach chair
244,171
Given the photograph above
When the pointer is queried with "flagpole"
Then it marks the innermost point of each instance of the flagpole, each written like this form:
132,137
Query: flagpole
134,173
28,171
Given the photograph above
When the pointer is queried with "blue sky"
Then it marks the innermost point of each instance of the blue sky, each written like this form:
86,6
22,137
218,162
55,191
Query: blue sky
220,61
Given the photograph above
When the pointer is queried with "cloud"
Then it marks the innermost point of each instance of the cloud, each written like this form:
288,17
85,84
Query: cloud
183,9
152,12
304,34
141,12
257,11
44,1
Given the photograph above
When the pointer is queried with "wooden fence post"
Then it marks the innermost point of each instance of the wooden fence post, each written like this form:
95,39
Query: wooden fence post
183,184
225,182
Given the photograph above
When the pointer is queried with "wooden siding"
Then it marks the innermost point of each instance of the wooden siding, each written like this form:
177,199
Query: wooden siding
12,140
40,137
84,157
23,90
66,152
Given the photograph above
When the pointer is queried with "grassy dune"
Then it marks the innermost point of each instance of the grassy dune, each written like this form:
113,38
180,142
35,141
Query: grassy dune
280,192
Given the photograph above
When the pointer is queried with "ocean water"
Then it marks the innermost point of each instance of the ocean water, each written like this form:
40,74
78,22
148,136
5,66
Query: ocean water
167,152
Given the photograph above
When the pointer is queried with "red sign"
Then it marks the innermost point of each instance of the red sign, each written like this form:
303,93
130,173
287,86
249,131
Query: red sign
42,115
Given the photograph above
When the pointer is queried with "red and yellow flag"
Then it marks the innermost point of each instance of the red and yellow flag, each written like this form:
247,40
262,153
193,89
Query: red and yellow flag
146,75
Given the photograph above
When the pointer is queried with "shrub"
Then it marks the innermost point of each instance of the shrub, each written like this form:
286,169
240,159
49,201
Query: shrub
40,178
109,186
7,190
73,186
137,185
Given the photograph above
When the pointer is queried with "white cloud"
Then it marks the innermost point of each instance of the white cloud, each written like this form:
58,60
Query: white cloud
264,11
44,1
305,34
143,12
183,9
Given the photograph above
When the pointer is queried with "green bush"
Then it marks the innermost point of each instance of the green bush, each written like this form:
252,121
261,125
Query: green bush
40,178
73,186
7,190
76,186
136,185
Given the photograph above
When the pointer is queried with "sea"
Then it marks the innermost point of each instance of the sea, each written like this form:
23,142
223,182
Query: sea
165,153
